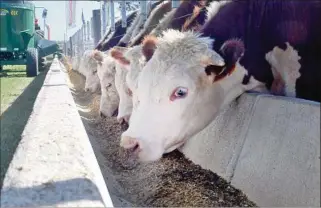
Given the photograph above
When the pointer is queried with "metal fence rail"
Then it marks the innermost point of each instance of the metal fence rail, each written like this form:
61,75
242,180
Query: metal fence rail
88,36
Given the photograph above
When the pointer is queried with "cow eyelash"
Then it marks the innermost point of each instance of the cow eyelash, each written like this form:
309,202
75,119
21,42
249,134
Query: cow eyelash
129,92
179,93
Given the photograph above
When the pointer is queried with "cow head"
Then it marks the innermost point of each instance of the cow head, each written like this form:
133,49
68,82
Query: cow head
180,91
129,64
106,73
88,68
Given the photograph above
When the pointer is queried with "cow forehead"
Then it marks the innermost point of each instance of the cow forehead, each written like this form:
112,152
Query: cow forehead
185,47
159,81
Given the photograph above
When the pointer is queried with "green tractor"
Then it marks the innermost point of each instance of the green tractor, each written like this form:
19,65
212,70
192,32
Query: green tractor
21,40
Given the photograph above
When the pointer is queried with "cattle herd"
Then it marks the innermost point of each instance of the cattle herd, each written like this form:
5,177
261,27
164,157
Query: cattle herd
169,77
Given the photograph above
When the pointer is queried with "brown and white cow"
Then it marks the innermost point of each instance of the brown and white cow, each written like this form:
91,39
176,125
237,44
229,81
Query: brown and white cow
192,76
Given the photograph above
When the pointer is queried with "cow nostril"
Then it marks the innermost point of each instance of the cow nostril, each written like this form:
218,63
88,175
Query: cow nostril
124,125
102,115
115,113
135,148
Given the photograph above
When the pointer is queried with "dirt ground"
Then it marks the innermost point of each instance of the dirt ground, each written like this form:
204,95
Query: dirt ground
172,181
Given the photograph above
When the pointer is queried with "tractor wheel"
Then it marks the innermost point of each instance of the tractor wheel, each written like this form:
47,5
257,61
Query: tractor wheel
32,62
41,64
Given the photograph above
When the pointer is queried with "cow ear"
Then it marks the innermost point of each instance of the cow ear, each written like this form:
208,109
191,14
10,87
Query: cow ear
212,68
97,56
232,50
149,46
118,54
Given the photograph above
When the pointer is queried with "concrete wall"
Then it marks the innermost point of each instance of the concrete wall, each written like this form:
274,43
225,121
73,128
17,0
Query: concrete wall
54,164
267,146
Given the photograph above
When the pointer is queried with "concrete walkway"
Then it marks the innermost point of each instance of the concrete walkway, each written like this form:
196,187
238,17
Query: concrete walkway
267,146
54,164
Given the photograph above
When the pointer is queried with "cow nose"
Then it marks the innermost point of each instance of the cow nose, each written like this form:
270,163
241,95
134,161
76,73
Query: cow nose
102,115
130,144
128,154
124,125
123,119
115,113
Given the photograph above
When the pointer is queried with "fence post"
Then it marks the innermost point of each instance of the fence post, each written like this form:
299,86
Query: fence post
88,31
70,46
112,15
175,3
96,25
143,9
103,17
123,14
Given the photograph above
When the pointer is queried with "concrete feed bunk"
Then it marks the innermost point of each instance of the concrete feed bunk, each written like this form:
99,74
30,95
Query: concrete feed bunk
232,146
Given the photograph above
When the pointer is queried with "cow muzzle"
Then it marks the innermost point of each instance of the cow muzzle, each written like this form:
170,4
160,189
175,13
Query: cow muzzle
129,152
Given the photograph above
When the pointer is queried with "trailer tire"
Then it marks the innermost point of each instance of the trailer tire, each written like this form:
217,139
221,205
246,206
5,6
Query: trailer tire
41,64
32,62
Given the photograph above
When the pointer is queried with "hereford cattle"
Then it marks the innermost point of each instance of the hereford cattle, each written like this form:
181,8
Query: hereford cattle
118,37
190,77
88,68
129,63
190,14
152,21
112,38
131,60
106,70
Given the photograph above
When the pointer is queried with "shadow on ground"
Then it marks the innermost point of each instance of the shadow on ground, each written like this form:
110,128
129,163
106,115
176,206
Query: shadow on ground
14,120
52,193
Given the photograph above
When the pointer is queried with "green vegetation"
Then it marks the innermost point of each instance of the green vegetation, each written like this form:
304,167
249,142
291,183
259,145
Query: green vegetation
13,82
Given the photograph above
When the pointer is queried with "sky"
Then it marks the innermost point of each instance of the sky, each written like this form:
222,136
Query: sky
56,16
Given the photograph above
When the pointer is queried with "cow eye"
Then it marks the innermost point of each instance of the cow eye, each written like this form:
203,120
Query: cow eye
129,92
180,92
94,72
108,85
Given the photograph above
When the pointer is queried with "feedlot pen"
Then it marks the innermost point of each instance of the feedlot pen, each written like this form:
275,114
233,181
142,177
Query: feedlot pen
172,181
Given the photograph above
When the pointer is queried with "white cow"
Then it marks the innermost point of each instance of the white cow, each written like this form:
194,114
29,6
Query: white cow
177,96
106,72
130,61
88,68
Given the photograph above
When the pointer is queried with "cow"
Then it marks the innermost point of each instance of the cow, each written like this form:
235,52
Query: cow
88,68
177,18
131,60
106,70
138,23
191,75
118,37
152,21
112,38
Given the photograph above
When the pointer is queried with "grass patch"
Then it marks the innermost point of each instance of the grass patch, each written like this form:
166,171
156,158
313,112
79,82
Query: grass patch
13,82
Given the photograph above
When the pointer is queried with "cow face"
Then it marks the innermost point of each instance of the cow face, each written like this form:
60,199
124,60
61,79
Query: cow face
180,91
125,100
129,64
106,72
